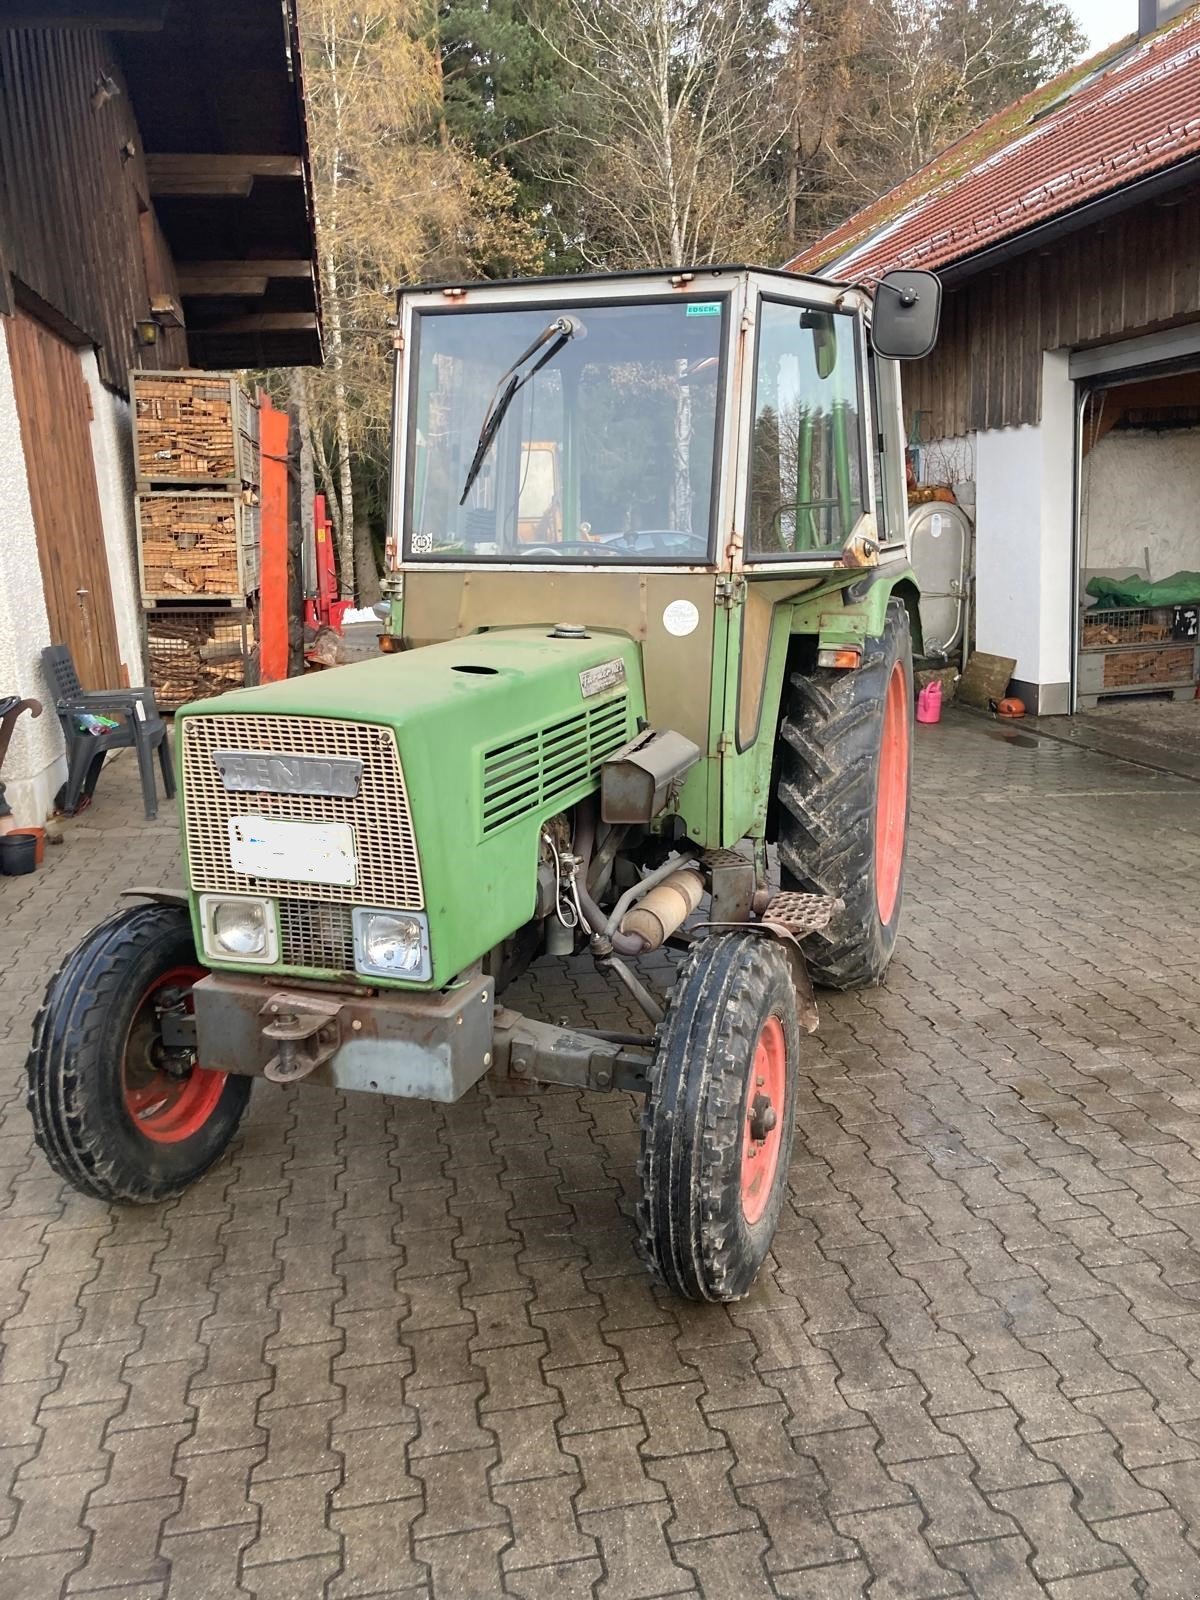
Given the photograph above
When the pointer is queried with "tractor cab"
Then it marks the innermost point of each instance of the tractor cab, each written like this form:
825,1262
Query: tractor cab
721,418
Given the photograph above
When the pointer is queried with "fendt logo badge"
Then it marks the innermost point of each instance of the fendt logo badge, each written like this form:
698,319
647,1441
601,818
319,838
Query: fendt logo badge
245,771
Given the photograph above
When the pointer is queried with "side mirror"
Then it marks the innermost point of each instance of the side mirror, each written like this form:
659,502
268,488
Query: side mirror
908,306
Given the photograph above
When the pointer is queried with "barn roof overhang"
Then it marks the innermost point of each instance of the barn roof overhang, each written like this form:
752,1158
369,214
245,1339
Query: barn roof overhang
218,93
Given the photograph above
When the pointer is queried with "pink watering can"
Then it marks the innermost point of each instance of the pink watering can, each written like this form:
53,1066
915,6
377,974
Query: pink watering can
929,703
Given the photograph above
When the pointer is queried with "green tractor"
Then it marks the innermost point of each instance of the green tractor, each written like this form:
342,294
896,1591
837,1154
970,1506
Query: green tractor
650,611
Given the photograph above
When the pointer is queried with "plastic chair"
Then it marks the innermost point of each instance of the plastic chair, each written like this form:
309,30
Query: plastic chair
140,728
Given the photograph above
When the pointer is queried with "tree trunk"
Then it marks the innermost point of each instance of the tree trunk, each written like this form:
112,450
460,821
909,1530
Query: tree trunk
366,569
306,474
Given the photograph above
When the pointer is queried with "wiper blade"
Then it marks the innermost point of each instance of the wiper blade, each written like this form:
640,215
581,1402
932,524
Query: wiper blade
560,331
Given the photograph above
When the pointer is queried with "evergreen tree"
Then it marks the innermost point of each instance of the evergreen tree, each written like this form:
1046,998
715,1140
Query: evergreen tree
507,96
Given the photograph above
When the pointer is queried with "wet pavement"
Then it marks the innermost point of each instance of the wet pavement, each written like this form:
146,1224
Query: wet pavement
391,1349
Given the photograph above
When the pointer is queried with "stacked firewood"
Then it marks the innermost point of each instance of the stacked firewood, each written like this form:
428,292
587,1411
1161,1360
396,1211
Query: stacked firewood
190,544
195,654
191,426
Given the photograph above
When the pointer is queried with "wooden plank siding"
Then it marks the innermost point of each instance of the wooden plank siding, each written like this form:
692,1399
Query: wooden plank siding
72,192
1131,274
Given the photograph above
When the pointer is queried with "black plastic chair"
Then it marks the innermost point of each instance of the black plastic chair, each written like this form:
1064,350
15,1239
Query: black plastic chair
140,727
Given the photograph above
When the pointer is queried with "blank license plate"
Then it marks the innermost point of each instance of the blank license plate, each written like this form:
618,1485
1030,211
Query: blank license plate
294,852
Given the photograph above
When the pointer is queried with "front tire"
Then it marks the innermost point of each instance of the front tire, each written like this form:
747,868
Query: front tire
845,772
117,1114
718,1124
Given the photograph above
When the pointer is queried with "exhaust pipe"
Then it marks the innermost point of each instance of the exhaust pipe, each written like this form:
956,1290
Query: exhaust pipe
665,909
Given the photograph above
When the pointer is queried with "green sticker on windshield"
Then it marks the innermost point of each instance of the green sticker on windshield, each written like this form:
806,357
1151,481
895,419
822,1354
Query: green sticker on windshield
704,308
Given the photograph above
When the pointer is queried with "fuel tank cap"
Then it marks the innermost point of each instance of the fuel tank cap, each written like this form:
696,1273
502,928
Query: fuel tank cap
570,630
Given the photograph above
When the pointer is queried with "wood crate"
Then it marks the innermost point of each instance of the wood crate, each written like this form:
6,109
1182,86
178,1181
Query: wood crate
194,428
197,544
193,652
1133,668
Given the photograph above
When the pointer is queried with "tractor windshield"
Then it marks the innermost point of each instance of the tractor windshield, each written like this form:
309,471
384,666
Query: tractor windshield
596,447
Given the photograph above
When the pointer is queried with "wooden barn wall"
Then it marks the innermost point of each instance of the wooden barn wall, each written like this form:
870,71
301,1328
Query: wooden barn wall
72,183
1135,272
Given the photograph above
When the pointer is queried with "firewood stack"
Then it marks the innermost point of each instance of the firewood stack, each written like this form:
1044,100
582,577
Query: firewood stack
197,454
195,653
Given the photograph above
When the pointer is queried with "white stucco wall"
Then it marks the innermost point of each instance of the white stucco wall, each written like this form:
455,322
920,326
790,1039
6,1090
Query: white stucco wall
1141,491
1023,539
112,450
34,767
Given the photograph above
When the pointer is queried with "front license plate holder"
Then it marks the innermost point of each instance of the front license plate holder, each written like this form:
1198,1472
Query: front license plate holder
293,852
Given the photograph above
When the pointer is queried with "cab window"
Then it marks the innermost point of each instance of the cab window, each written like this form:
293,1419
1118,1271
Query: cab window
807,484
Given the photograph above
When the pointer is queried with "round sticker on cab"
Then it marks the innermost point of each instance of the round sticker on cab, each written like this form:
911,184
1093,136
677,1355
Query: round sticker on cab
681,618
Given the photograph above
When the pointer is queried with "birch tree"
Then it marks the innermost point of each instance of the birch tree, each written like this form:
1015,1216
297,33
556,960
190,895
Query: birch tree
677,119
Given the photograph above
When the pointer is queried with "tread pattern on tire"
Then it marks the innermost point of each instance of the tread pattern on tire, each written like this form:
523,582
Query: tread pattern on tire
688,1232
68,1031
828,761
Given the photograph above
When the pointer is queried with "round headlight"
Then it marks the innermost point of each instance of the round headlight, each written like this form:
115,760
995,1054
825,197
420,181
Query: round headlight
240,927
393,943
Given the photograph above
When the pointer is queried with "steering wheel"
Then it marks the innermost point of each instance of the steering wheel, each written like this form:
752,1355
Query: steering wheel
556,550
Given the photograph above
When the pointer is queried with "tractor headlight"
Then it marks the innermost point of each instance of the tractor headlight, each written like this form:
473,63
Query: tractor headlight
391,944
238,928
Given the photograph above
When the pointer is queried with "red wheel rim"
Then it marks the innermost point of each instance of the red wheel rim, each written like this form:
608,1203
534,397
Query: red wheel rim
164,1108
762,1132
891,802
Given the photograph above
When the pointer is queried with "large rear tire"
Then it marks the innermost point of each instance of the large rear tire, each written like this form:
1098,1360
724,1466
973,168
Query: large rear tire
718,1123
118,1114
845,770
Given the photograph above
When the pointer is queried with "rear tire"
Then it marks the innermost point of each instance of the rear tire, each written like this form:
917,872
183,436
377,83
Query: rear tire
108,1114
845,773
718,1123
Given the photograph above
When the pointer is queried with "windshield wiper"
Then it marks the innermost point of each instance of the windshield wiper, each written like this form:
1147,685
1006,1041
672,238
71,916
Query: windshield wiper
557,334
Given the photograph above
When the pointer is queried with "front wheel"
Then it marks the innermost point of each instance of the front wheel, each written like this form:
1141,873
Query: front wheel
718,1123
120,1111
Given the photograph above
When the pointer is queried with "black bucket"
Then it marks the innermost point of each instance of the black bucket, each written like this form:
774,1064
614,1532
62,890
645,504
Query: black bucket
18,854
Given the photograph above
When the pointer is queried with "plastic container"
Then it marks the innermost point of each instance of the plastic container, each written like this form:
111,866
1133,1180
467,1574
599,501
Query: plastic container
929,703
18,854
38,835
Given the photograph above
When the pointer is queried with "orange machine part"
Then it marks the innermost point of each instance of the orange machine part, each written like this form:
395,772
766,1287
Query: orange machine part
273,580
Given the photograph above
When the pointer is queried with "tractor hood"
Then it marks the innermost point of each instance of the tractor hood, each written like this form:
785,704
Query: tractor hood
494,733
499,675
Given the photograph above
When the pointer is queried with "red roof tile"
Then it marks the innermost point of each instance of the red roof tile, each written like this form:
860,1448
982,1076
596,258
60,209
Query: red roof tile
1121,123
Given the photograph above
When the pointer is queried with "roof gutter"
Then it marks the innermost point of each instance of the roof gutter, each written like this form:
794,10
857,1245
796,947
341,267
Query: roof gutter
1044,233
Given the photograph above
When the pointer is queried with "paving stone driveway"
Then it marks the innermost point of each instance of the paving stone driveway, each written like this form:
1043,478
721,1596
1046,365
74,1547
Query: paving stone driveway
386,1349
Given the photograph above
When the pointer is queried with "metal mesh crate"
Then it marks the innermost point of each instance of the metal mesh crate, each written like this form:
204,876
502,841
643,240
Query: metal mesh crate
201,544
194,652
1111,629
194,428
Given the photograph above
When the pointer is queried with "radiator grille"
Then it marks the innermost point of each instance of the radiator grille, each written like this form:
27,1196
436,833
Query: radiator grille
539,768
315,935
389,872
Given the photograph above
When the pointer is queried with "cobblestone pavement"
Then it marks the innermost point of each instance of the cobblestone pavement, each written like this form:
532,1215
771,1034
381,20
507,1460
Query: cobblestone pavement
388,1349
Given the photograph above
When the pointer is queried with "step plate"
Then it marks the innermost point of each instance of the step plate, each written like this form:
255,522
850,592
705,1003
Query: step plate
802,914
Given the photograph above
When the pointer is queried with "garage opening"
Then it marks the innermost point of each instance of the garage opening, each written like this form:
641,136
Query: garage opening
1138,633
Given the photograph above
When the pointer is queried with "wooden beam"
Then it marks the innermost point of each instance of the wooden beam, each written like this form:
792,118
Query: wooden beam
114,16
200,188
199,278
181,175
197,286
262,322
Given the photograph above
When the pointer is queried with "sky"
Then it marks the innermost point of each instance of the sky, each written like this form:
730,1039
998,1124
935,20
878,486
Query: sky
1105,20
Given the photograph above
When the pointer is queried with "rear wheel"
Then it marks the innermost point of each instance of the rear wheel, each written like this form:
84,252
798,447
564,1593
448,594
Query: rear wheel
717,1127
120,1111
845,767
